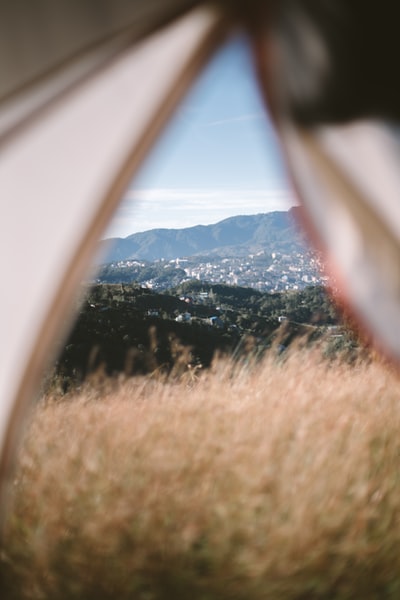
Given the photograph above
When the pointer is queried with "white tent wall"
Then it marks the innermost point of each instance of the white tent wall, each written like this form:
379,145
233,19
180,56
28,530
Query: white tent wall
62,175
39,36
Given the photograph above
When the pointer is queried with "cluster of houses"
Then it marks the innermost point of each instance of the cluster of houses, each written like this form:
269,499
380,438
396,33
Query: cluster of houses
266,273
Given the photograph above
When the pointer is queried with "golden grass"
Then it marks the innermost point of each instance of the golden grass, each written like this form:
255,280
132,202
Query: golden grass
279,482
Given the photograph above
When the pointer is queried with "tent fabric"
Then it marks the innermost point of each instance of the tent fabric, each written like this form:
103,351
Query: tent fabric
62,174
349,182
40,36
48,46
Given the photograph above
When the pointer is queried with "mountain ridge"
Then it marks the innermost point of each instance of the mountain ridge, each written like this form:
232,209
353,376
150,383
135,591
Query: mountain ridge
238,235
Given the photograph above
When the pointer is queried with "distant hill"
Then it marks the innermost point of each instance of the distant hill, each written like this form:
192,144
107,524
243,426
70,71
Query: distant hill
235,236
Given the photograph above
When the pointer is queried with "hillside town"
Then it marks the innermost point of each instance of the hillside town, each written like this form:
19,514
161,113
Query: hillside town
266,272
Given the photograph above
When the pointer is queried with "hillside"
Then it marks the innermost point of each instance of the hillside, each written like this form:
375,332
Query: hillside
235,236
130,330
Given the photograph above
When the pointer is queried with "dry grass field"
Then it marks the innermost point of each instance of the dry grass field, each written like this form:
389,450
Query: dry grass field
279,482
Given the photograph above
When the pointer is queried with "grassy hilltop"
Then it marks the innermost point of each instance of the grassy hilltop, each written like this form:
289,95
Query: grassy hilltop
278,481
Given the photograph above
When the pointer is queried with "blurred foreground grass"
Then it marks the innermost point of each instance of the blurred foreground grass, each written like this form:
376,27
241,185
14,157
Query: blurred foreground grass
278,482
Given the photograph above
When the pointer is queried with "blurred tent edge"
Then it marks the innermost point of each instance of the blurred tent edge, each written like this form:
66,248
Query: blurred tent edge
327,73
71,136
349,181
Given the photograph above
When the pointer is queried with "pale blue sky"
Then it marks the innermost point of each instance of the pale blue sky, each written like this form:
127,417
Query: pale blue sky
217,158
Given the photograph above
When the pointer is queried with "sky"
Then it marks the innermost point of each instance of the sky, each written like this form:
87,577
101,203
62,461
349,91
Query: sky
217,158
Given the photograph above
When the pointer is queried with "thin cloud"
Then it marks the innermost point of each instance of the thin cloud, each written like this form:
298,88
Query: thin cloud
193,194
150,208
